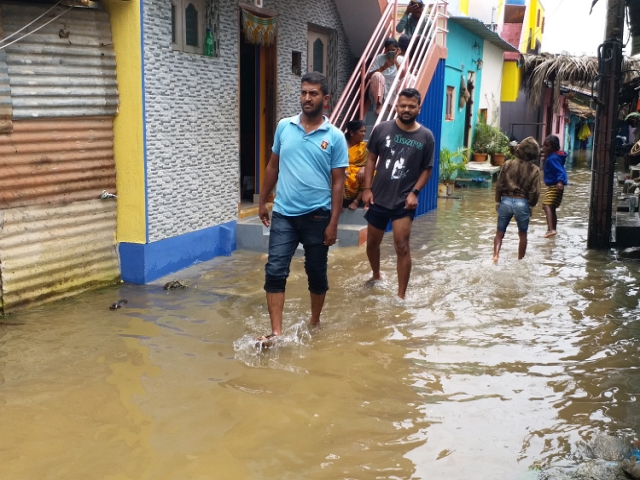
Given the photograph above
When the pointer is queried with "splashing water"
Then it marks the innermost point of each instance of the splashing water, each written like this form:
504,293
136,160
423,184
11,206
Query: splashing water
292,343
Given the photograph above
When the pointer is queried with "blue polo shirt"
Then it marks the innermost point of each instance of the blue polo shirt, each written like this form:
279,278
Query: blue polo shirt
306,161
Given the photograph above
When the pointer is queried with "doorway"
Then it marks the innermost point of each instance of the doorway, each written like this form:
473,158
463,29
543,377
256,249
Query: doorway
248,119
257,97
469,112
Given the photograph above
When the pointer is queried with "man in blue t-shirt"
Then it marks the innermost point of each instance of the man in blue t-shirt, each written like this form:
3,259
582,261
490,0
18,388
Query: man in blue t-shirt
401,152
308,160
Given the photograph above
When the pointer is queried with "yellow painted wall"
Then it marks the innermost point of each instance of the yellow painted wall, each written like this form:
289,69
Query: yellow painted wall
535,7
511,77
128,124
500,13
464,7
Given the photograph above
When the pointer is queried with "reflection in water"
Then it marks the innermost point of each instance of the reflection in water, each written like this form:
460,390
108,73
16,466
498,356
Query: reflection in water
579,158
127,374
485,372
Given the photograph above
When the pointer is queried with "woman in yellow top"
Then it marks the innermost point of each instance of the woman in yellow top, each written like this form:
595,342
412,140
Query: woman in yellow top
358,153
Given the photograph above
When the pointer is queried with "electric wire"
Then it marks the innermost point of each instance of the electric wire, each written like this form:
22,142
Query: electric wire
2,40
2,47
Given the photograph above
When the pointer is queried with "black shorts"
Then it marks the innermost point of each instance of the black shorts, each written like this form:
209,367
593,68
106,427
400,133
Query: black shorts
378,217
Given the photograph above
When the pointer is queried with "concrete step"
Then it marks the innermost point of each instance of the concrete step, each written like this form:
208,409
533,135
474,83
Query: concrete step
370,118
352,235
352,217
369,121
253,236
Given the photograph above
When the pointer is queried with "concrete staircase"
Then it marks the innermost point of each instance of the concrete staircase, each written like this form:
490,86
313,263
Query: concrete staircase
369,121
252,235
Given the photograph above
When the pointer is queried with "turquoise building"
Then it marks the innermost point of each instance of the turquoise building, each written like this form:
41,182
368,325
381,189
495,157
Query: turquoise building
475,55
465,50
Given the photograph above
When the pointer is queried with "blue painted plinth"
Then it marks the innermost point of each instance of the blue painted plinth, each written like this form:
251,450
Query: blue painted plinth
143,263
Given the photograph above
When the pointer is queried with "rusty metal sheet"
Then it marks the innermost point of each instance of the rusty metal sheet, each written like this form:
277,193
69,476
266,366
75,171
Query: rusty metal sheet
56,161
66,69
6,110
49,252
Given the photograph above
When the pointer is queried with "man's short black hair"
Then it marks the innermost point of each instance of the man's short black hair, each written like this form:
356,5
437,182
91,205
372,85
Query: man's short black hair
411,93
316,78
390,42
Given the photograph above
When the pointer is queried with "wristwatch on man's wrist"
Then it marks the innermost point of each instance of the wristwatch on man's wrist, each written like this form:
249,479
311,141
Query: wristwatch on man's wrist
415,191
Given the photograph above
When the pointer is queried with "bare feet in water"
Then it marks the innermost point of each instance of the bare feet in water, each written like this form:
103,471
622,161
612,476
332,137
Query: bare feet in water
374,279
266,341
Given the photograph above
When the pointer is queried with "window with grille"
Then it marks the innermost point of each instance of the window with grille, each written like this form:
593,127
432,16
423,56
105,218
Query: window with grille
190,20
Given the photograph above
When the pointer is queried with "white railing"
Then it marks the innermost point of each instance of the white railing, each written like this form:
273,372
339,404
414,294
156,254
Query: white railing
353,101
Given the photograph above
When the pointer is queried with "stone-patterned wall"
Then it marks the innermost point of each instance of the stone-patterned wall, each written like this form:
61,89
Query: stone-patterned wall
191,111
292,36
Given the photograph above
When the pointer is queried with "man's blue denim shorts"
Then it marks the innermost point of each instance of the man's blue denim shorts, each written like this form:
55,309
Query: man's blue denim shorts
513,207
285,235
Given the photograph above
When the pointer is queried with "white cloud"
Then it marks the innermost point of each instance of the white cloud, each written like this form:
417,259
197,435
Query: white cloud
570,28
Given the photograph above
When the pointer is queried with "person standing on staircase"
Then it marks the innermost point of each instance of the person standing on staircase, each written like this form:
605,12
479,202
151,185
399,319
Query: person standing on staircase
408,26
382,73
403,151
308,162
409,21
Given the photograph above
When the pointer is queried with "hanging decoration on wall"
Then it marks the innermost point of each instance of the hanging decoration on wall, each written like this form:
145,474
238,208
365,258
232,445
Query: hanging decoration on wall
464,93
258,30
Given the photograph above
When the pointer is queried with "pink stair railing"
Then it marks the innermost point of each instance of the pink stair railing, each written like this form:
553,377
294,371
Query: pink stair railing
353,101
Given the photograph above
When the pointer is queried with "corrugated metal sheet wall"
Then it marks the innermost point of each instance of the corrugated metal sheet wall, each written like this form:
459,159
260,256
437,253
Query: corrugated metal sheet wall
431,117
56,236
49,252
6,111
56,161
66,69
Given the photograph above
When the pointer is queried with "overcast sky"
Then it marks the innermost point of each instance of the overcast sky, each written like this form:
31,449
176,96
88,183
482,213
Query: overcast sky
569,26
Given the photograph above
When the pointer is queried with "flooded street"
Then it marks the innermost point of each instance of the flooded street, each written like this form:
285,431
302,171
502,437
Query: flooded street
487,372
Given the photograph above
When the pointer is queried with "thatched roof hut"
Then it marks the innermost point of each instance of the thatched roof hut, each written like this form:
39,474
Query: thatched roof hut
580,110
554,71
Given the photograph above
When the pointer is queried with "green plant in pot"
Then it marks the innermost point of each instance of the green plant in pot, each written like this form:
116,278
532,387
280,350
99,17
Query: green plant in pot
500,147
449,167
508,153
483,142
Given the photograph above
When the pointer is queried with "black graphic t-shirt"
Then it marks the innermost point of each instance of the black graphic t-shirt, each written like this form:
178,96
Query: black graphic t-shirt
402,156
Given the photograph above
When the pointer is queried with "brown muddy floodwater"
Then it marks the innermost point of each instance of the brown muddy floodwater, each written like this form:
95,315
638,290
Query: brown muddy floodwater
487,372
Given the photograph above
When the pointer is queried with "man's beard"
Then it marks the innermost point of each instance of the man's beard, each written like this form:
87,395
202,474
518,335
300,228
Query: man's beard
315,112
409,121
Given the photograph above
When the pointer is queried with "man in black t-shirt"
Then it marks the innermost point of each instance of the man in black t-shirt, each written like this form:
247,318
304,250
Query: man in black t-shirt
403,150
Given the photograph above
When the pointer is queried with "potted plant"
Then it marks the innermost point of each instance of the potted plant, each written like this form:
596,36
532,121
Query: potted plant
483,142
500,148
449,167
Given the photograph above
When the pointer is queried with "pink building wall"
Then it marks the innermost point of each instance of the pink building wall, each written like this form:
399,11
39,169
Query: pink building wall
555,124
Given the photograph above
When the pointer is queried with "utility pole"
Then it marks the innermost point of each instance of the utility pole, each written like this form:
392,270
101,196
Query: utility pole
603,164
